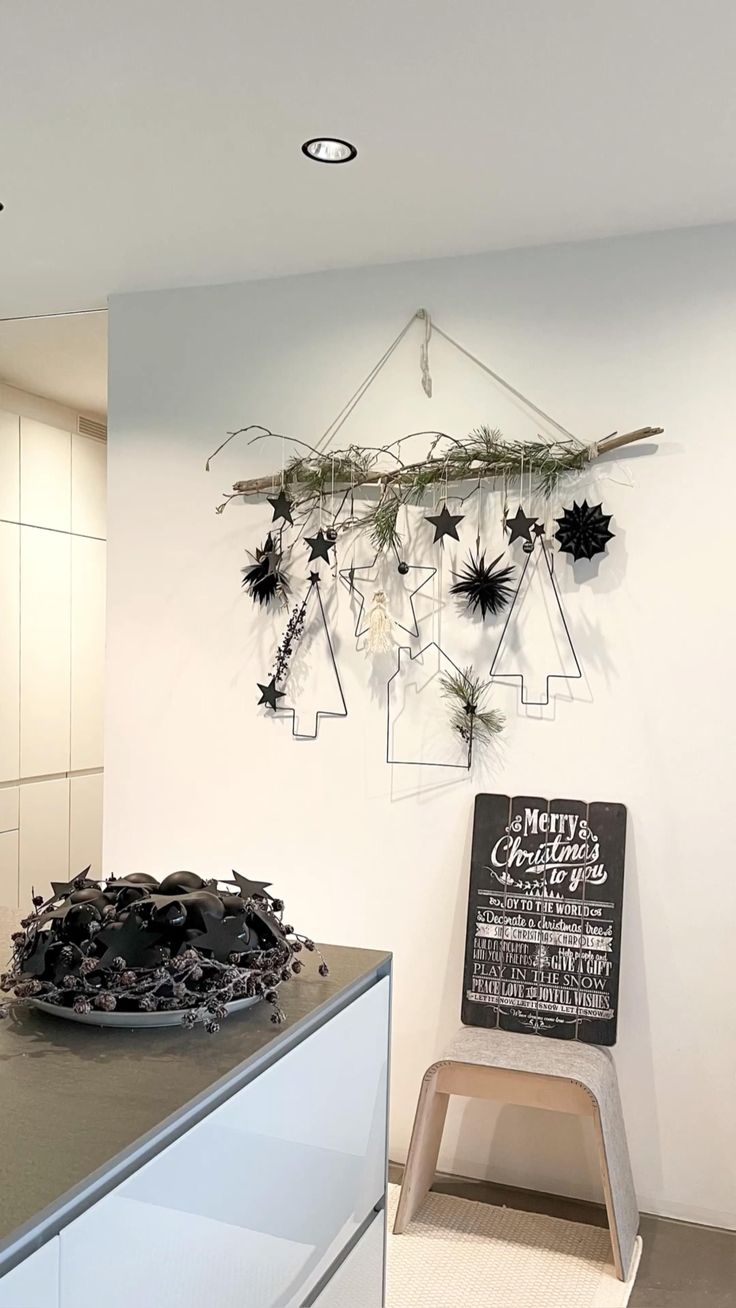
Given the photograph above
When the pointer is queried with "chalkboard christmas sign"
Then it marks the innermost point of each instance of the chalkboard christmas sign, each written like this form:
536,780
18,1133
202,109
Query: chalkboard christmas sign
544,917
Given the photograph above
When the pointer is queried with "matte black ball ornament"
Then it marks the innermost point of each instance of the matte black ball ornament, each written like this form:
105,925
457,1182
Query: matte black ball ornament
140,879
169,916
180,883
331,534
130,895
403,568
199,902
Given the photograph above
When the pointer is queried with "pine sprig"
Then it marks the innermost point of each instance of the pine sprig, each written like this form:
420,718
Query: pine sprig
466,694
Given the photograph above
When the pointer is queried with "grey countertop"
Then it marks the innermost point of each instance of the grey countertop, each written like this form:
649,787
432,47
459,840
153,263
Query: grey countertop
82,1107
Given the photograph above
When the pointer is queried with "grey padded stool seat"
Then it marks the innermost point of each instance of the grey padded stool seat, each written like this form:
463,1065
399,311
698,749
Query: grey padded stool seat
536,1072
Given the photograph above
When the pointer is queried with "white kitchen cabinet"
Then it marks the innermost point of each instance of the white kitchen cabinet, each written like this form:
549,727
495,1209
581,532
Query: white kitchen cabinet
358,1281
45,652
253,1205
34,1283
45,475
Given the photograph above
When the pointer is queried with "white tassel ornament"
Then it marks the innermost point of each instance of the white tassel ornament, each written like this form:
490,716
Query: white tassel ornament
380,623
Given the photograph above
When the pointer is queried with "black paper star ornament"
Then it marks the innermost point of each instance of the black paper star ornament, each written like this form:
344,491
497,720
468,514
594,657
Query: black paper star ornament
539,529
314,578
520,526
282,506
222,936
263,578
445,524
269,694
251,889
135,941
62,889
583,530
319,546
35,964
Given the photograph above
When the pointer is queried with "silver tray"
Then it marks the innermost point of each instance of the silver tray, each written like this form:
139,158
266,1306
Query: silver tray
131,1021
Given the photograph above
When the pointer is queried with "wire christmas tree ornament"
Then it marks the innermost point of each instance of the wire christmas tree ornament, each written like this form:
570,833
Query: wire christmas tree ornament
498,673
270,694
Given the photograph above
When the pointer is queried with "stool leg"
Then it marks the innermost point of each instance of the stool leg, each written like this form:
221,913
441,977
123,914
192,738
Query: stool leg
618,1184
426,1137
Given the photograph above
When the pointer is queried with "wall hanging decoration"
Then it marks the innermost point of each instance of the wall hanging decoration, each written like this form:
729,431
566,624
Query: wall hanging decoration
136,952
263,578
543,940
510,649
324,492
583,530
483,585
460,713
283,665
383,574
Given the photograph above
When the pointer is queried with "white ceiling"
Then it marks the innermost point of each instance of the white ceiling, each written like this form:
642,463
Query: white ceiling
157,144
62,359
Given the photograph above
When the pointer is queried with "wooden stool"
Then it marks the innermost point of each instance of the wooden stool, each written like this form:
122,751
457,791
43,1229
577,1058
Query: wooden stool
564,1076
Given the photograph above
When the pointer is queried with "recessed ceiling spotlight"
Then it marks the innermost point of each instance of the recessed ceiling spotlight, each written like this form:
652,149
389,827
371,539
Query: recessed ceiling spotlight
329,149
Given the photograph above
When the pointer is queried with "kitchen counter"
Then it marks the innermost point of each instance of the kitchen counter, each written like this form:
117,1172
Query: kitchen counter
84,1108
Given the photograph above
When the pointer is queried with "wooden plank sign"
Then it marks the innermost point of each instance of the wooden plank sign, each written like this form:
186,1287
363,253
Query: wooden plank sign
543,940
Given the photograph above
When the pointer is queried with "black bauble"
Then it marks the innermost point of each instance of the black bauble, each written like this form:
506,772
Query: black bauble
75,925
140,879
200,902
331,534
90,895
130,895
403,568
180,883
169,916
233,903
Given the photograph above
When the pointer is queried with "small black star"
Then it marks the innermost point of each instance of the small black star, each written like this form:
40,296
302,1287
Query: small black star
320,546
314,578
269,694
134,941
445,524
251,889
520,526
222,937
538,529
282,506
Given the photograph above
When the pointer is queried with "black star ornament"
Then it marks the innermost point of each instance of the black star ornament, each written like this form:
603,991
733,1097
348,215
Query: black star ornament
35,963
134,941
583,530
282,506
222,936
269,694
251,889
445,524
319,547
520,526
62,889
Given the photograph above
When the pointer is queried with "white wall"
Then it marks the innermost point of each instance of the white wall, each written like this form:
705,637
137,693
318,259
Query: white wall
605,336
52,632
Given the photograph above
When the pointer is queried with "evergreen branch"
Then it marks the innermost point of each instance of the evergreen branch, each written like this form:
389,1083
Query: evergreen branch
468,715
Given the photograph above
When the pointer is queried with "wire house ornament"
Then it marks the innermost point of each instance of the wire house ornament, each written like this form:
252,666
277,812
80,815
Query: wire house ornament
348,576
320,713
551,676
418,762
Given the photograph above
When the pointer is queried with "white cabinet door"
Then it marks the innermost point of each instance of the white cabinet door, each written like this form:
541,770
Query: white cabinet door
34,1283
45,651
358,1281
9,652
251,1206
87,651
45,475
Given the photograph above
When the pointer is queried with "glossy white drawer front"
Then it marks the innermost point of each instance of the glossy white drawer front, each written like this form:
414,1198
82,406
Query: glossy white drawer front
251,1206
34,1283
358,1282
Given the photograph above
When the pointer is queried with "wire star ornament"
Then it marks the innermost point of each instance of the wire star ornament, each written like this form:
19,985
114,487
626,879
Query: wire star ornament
368,575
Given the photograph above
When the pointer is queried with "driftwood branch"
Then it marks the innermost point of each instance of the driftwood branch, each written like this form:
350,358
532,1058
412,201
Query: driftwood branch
257,485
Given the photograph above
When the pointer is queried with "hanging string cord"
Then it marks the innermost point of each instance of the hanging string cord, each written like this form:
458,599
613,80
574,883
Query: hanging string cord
507,386
331,432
